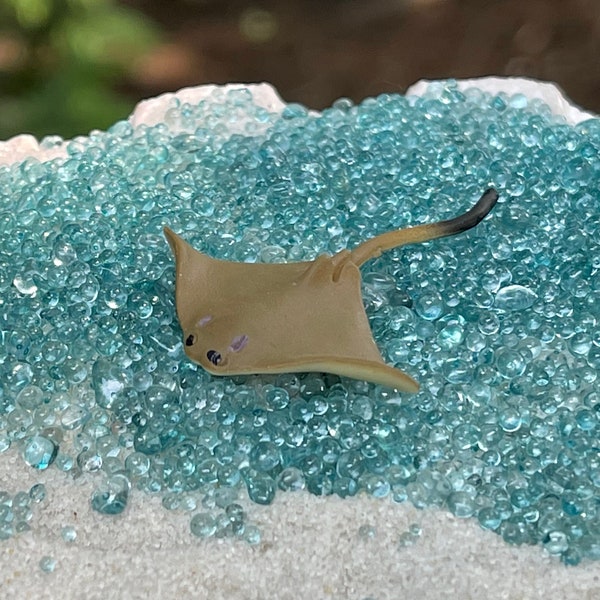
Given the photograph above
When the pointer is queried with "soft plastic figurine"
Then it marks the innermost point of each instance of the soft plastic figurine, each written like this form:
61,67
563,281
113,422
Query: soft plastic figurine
243,318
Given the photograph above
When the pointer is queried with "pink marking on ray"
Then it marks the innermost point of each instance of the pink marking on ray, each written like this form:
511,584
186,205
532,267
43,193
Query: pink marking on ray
238,343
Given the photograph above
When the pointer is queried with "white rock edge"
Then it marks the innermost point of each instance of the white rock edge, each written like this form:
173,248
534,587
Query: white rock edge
550,93
152,111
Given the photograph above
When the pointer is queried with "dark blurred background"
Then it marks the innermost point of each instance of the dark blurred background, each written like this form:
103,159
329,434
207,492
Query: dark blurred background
68,66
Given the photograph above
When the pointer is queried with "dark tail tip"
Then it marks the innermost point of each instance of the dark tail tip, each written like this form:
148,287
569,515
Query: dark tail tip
473,216
487,201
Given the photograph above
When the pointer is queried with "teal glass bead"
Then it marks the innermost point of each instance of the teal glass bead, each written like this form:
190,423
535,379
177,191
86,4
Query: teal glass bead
225,496
229,475
405,539
556,542
4,443
509,419
203,525
22,527
68,533
235,512
264,457
30,397
64,462
294,111
350,464
429,306
291,479
39,452
171,501
37,493
21,500
344,487
188,503
6,530
252,535
517,532
47,564
111,497
74,417
510,363
261,489
461,504
137,464
514,297
224,526
366,532
376,485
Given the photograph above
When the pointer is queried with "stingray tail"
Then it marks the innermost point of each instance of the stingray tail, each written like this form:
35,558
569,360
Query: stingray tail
422,233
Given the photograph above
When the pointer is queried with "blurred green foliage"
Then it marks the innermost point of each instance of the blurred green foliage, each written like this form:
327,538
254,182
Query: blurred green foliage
60,61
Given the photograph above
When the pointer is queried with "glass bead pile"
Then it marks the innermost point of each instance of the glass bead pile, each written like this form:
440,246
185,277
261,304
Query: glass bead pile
16,510
499,325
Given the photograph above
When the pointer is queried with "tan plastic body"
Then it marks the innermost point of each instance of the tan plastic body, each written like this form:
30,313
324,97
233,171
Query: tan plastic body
243,318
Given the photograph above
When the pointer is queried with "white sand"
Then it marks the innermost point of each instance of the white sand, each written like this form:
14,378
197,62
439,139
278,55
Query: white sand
310,549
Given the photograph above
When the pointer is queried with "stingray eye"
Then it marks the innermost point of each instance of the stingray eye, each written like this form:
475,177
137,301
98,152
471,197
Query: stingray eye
214,357
190,339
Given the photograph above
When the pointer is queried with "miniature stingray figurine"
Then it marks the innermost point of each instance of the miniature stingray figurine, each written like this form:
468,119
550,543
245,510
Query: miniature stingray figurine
244,318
